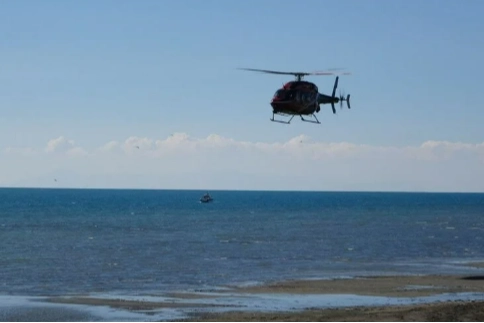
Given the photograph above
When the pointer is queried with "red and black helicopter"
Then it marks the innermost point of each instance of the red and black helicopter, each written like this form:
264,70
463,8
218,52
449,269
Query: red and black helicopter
302,98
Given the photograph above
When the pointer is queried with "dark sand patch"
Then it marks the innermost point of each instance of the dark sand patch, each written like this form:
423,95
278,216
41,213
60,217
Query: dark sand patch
394,286
442,312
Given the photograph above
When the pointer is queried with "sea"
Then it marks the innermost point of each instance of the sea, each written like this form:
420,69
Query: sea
58,242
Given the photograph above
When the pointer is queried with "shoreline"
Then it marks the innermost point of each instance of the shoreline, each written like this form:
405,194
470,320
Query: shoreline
387,286
372,298
388,298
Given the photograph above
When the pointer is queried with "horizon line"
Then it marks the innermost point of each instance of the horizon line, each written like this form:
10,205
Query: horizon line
238,190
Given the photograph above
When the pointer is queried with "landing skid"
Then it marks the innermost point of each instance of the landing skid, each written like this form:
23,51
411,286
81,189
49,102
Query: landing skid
281,121
311,121
292,116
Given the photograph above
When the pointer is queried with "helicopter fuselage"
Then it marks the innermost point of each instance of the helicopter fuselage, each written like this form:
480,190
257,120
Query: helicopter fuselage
299,98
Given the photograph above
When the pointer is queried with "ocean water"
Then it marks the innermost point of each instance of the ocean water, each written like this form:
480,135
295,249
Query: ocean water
71,242
143,244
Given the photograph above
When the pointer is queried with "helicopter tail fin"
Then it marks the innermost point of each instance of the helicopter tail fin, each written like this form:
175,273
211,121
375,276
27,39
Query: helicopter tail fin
333,94
335,86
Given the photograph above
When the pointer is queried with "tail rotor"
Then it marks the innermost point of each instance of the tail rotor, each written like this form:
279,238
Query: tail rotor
343,98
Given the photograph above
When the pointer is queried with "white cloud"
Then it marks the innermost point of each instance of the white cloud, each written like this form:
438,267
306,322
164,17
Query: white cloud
182,161
135,143
77,151
59,144
110,146
445,149
62,145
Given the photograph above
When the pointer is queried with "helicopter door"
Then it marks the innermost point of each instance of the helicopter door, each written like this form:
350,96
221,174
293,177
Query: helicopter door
305,97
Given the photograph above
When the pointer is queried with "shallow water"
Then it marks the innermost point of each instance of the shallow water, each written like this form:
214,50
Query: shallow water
36,309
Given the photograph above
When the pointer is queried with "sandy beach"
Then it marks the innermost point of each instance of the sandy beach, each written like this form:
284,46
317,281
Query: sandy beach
399,286
218,307
391,286
445,312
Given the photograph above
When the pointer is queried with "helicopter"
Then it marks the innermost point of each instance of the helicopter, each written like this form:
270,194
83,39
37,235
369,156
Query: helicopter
302,98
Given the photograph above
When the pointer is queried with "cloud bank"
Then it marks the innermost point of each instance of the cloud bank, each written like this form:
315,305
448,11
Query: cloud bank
184,162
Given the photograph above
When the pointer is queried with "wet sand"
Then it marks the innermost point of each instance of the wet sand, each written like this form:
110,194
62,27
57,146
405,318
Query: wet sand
399,286
442,312
213,307
392,286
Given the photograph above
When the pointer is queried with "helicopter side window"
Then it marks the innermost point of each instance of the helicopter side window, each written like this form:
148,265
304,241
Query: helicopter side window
281,94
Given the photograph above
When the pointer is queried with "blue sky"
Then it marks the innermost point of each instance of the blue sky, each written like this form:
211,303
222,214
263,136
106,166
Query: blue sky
100,71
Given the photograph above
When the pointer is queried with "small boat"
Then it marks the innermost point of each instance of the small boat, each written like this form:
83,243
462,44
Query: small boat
206,198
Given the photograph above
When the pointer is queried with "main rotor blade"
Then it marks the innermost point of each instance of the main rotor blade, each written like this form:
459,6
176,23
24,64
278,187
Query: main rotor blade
321,72
273,72
331,72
